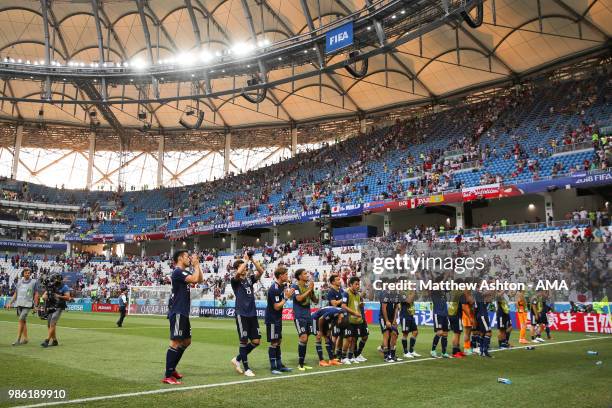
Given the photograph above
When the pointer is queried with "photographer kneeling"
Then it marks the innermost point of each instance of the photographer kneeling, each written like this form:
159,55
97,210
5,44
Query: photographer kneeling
56,295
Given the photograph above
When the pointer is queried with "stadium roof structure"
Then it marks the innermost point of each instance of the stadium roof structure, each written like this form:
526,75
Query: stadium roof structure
131,69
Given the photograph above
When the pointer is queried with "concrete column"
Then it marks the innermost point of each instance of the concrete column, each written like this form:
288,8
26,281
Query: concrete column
90,160
160,161
24,234
362,125
18,140
226,153
275,236
68,249
459,216
172,243
233,241
294,140
548,208
143,249
387,224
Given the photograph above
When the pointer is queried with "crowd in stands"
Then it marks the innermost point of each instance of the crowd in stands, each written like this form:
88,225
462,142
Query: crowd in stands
102,279
510,137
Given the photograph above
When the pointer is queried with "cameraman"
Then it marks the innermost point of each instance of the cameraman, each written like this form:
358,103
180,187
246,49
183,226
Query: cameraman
24,299
56,295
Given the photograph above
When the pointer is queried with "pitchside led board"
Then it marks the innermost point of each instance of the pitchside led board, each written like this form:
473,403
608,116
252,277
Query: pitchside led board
339,38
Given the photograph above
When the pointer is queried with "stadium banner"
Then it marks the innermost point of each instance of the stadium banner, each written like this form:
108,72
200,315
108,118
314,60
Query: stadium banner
61,246
226,312
338,38
558,321
578,180
150,236
580,322
104,308
565,321
288,314
155,309
339,211
79,307
490,191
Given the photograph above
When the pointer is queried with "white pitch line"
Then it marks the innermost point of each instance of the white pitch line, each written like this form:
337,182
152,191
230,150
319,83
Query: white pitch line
273,378
122,328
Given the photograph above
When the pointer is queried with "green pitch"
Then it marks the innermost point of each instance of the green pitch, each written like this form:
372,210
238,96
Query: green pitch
96,359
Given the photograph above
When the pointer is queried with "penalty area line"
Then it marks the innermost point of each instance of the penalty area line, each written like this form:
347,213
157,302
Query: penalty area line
272,378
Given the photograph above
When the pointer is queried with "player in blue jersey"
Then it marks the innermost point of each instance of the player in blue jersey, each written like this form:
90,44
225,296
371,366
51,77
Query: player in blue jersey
334,298
408,323
440,316
483,325
389,309
246,313
278,294
323,321
178,311
504,323
303,296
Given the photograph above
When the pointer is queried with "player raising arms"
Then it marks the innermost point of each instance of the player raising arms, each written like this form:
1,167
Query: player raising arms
521,315
302,297
334,297
178,311
408,324
246,313
323,320
277,297
352,302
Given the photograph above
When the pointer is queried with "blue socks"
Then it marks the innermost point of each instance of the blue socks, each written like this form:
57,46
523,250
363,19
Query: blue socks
279,361
272,357
360,347
243,352
330,349
484,347
434,343
172,356
319,350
